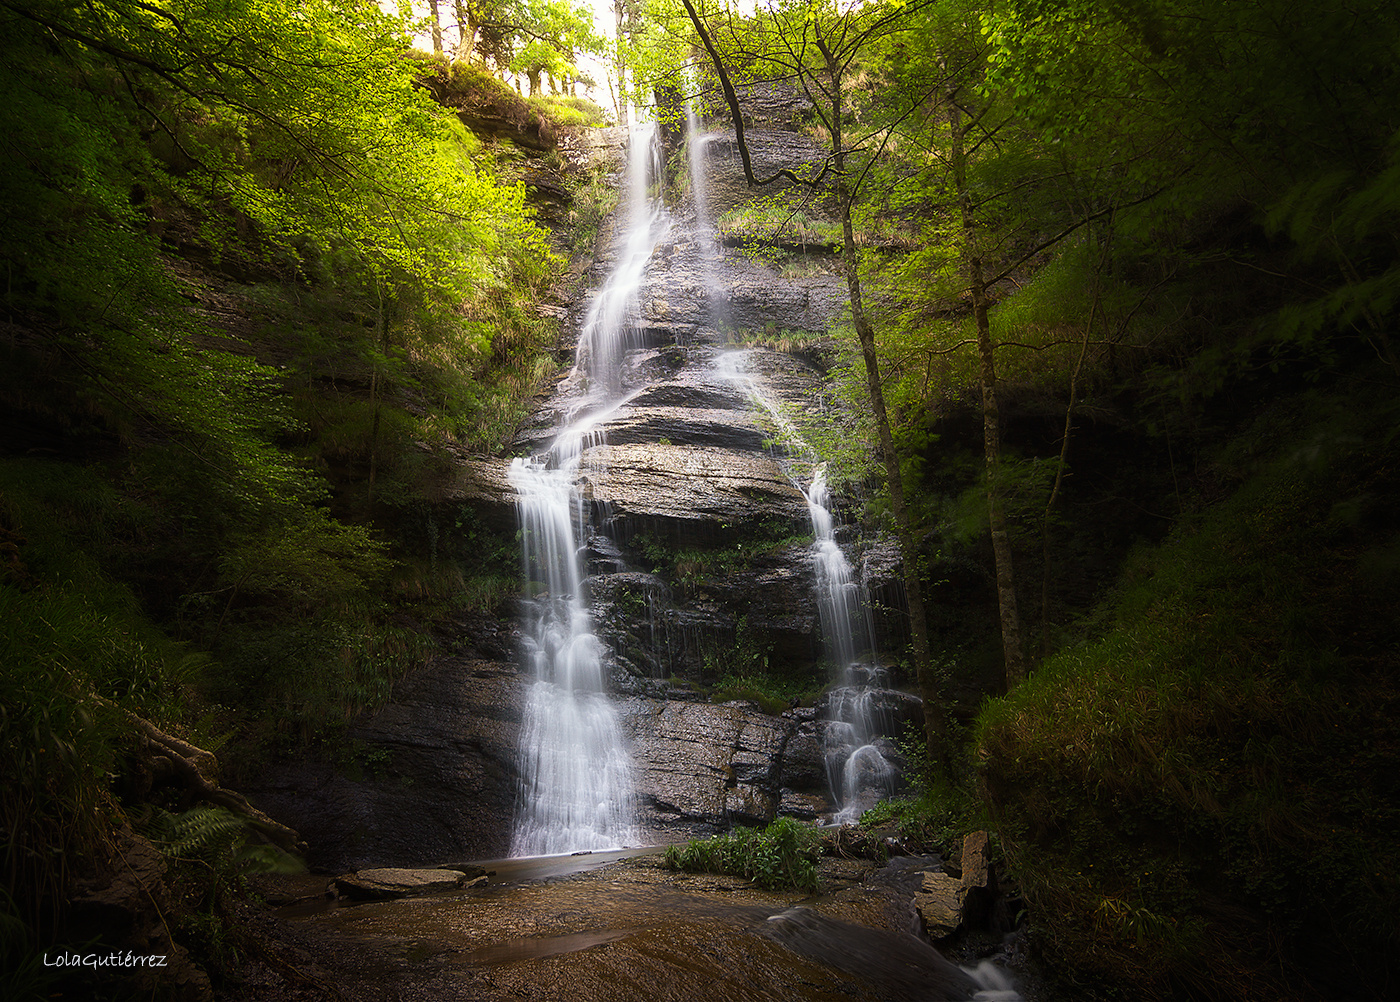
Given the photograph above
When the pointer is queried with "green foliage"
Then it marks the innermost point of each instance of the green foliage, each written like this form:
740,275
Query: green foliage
77,651
1224,732
211,851
395,280
776,220
221,840
571,111
594,198
790,342
937,817
746,668
782,856
689,566
1279,105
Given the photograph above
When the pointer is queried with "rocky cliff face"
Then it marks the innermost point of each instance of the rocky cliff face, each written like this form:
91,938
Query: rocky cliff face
700,539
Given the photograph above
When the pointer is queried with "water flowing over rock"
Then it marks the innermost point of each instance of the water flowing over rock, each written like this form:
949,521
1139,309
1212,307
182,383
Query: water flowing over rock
576,789
675,472
670,535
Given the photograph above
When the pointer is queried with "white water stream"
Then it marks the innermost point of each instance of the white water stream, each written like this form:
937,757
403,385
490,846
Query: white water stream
577,788
857,773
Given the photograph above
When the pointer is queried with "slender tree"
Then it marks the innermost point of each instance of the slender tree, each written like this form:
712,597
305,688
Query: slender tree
817,46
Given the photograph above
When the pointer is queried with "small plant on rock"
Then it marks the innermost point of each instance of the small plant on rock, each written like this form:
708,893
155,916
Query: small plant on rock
780,857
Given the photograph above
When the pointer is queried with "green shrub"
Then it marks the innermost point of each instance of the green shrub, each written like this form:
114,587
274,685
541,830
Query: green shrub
784,855
575,111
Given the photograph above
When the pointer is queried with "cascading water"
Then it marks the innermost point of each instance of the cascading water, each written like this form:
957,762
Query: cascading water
695,154
838,593
577,789
613,320
858,772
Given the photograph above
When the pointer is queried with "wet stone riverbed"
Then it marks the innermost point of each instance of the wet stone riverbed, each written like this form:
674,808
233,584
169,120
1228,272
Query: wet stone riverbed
627,929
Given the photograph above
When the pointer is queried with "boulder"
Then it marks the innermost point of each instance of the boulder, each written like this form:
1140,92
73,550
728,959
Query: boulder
946,903
384,883
939,902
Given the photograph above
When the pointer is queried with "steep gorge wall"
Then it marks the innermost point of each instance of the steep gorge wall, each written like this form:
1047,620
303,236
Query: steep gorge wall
704,545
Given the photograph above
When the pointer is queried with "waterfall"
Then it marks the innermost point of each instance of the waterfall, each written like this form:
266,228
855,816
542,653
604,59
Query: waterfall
838,594
613,323
695,142
858,773
576,785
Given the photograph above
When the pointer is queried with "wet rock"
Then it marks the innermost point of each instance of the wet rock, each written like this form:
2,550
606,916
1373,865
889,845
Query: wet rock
882,570
770,602
385,883
900,965
686,426
602,555
889,708
707,763
803,806
804,760
435,778
469,870
627,608
770,150
939,903
775,103
947,902
688,491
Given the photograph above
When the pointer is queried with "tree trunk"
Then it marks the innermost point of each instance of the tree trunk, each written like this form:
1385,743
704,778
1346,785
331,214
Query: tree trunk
198,771
436,26
1060,472
1012,652
466,32
934,718
934,721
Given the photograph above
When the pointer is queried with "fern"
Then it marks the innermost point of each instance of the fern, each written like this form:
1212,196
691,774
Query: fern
207,833
217,837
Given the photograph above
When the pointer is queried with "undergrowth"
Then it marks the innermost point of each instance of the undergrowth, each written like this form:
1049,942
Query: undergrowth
572,111
211,852
1230,731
